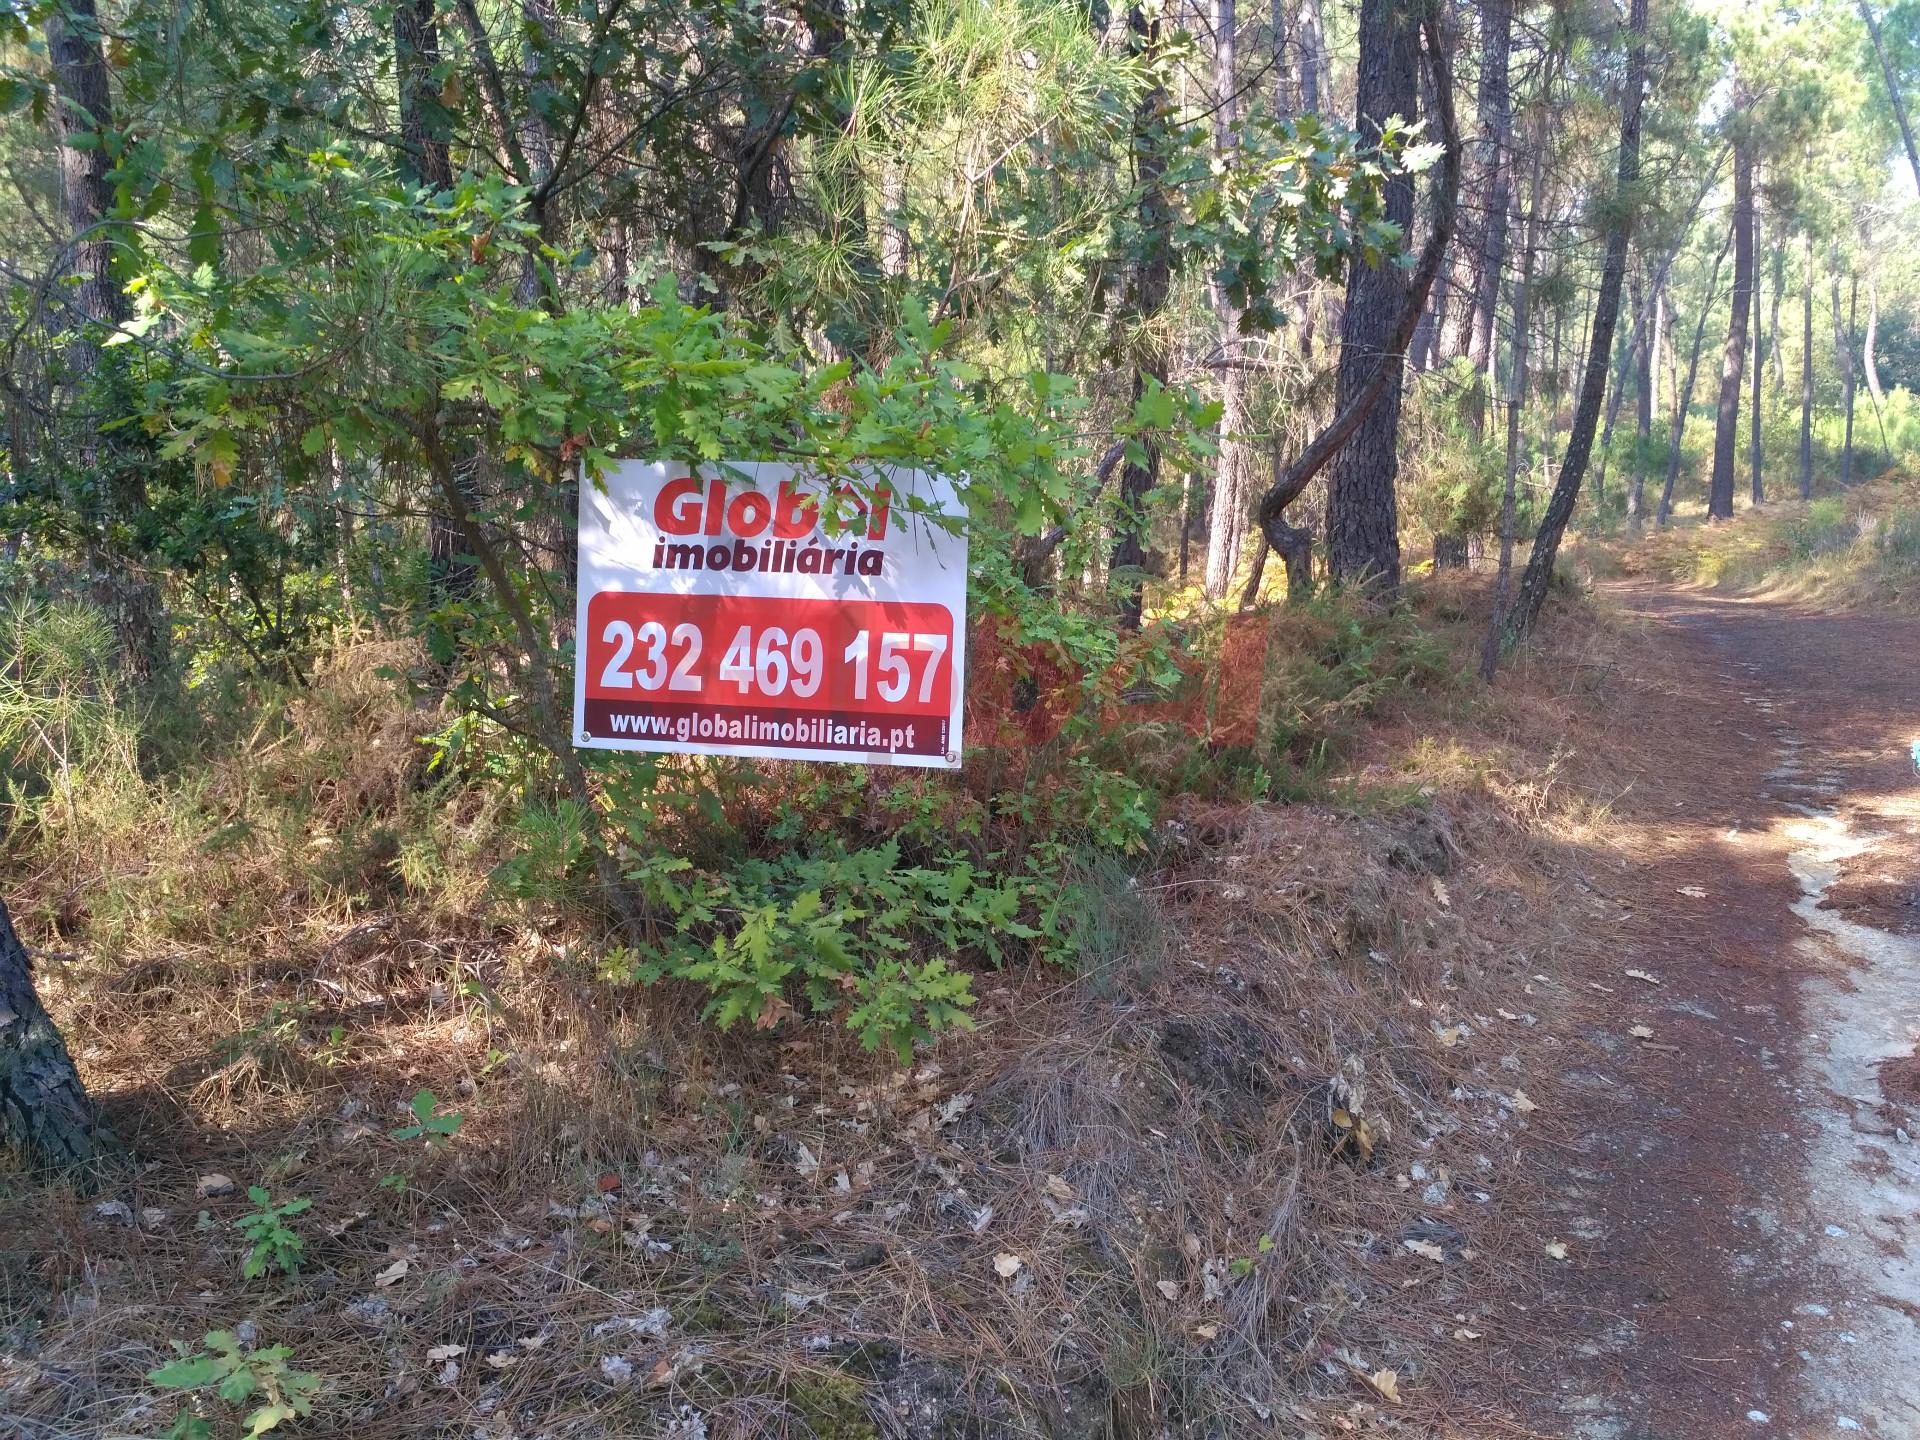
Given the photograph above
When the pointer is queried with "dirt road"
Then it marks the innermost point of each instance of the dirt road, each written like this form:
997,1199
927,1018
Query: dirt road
1741,1198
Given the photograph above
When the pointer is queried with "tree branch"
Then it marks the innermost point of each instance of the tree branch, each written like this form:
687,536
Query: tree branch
1386,366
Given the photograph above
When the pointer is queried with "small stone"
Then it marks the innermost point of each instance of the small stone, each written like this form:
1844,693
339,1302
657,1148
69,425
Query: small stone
113,1210
1758,1417
213,1187
1836,1232
1847,1422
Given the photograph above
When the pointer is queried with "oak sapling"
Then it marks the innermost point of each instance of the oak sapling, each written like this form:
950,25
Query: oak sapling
274,1245
435,1129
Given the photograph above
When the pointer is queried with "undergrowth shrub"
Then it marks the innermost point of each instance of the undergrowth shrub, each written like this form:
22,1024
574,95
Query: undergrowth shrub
63,727
853,931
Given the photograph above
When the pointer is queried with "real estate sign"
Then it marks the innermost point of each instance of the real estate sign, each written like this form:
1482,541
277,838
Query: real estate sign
753,609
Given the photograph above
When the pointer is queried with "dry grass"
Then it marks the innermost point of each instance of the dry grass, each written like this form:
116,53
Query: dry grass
1200,1245
1856,550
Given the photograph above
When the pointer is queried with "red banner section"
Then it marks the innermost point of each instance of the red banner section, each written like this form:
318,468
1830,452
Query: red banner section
753,670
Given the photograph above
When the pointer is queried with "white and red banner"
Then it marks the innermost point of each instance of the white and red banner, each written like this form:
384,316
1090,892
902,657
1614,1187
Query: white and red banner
755,610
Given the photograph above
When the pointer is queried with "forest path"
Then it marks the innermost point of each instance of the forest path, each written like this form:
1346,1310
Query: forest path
1739,1192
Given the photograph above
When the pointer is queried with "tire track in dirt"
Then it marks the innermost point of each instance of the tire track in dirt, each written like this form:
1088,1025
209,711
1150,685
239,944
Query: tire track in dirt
1742,1199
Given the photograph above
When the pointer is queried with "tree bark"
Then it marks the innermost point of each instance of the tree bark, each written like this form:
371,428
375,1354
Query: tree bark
1893,90
1683,394
1870,365
425,161
85,108
1363,522
1617,391
1753,410
1806,377
44,1109
1646,400
1586,413
1517,378
1315,63
1152,277
1733,358
1493,109
1227,517
1843,352
1773,329
1383,372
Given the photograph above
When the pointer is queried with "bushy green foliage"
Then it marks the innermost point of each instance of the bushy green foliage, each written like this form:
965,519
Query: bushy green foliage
853,932
228,1371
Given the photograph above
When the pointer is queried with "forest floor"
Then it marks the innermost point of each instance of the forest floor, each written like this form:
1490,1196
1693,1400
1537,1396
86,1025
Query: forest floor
1738,1169
1627,952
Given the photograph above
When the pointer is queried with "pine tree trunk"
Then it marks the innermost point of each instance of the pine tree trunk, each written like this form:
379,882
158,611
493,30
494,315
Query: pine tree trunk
1753,415
424,160
1517,378
1494,112
1617,391
1646,400
1683,393
1843,351
1893,89
1152,276
1733,358
44,1109
1227,522
110,493
1806,377
1773,329
1870,366
1363,523
1586,413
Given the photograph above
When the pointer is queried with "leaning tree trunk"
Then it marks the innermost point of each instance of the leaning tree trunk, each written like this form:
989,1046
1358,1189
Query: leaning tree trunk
44,1109
1870,364
1593,384
1363,524
1726,434
1893,89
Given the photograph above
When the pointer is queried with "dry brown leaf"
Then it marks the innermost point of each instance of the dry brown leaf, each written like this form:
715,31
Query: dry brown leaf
1642,975
1058,1188
446,1352
1465,1334
1007,1265
1168,1288
1521,1103
1206,1332
1448,1037
1387,1382
394,1273
1556,1250
1427,1248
